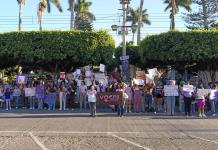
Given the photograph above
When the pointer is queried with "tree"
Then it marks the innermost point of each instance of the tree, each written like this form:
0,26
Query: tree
82,12
205,17
174,6
43,4
133,17
55,51
84,24
139,21
196,49
71,4
20,3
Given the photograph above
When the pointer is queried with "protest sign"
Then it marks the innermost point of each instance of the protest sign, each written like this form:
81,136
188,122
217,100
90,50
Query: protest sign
125,68
138,81
153,73
78,71
140,75
102,67
188,88
100,77
110,98
171,90
30,92
203,92
21,79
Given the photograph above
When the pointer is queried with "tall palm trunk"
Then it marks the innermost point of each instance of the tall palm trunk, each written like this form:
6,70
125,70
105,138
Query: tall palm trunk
205,15
139,22
20,17
40,25
72,14
172,16
133,38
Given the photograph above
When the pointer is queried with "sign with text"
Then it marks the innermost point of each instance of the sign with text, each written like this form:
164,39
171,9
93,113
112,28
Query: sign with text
140,75
171,90
21,79
203,92
188,88
110,98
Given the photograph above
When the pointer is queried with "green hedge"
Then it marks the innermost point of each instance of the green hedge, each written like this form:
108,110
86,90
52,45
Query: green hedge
55,49
181,48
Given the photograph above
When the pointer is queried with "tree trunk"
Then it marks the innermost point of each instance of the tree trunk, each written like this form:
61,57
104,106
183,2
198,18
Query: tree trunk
139,22
72,15
40,24
173,12
205,15
20,17
133,38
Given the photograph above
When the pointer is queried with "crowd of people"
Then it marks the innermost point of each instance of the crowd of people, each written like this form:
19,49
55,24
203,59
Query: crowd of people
64,93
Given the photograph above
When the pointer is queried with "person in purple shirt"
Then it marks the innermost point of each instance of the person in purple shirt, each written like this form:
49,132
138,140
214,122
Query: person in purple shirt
40,94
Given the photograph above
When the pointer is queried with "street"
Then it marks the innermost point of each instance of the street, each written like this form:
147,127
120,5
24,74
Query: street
43,130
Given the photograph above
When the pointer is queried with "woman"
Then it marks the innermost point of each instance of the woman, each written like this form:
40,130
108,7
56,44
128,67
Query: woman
52,96
83,90
120,107
137,99
159,96
40,94
129,92
16,96
62,96
92,100
70,96
171,101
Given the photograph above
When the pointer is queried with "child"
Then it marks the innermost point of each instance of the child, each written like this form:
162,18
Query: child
201,103
129,92
8,99
92,100
16,95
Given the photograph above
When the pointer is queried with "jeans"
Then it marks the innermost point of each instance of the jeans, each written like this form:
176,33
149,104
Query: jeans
32,102
213,104
62,98
83,100
149,100
170,105
16,98
120,110
92,108
8,104
52,102
181,106
40,103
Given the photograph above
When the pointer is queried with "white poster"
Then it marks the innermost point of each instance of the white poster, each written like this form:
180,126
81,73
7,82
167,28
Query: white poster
171,90
138,81
100,77
78,71
188,88
102,67
203,92
30,92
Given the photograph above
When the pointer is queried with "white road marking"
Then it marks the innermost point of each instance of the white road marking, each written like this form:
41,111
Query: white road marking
129,142
37,141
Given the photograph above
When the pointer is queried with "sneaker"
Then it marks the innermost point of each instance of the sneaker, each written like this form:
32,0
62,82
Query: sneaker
6,109
200,116
213,115
72,109
187,116
204,116
16,107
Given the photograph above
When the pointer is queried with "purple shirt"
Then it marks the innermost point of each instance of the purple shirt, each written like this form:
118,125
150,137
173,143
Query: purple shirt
40,92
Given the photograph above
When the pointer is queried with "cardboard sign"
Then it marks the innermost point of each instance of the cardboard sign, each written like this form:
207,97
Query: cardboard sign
188,88
110,98
140,75
203,92
100,77
30,92
78,71
138,81
102,67
171,90
21,79
62,75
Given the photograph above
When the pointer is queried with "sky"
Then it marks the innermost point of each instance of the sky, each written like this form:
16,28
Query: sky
106,11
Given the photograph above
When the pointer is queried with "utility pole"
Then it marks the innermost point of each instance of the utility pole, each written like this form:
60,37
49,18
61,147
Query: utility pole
124,28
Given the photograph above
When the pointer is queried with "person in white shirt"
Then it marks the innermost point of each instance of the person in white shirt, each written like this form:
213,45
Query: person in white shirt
16,96
83,90
92,100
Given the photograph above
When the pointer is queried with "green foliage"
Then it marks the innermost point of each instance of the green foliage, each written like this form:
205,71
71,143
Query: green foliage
199,48
84,24
55,50
132,51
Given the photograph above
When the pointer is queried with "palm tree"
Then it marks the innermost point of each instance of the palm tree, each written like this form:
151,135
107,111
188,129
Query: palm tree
134,16
71,9
43,4
20,3
174,5
82,11
139,21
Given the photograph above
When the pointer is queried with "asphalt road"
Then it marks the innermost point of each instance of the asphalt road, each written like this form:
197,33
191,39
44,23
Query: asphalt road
43,130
